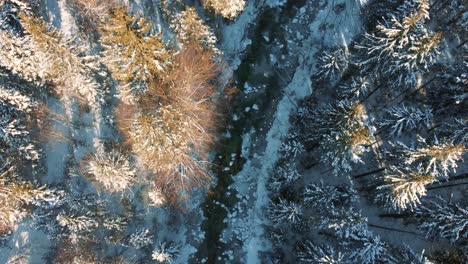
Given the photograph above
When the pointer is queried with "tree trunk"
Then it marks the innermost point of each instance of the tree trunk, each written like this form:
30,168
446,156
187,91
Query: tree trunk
368,173
394,229
397,216
446,186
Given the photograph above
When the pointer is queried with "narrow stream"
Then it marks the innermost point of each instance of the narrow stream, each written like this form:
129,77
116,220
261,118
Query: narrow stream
257,71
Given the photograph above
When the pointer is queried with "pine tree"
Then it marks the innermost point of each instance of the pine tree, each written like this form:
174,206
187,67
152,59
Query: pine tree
190,29
393,35
325,254
20,55
438,158
317,122
405,188
324,196
344,147
285,175
356,90
372,251
285,212
140,239
165,252
407,255
346,224
402,47
77,224
229,9
457,131
332,65
443,219
406,118
112,170
70,73
156,197
15,114
134,55
15,196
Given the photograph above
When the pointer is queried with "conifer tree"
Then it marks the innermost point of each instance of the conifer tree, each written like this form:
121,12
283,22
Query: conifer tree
406,118
332,64
405,188
285,212
443,219
401,46
15,114
438,158
20,55
15,196
134,55
344,147
191,29
70,73
311,253
112,170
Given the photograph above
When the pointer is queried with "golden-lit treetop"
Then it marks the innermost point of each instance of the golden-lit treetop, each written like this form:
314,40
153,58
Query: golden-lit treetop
69,72
133,53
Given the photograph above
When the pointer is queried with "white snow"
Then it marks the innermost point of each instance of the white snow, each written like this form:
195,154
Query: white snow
250,183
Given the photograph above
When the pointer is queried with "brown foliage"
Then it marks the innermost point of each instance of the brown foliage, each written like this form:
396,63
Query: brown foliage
177,124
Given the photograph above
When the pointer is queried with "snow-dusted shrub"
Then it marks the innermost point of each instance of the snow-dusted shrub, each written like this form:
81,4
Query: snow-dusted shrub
284,212
141,238
443,219
438,158
156,197
132,53
165,253
190,29
308,252
332,64
229,9
403,189
112,170
327,195
346,224
406,118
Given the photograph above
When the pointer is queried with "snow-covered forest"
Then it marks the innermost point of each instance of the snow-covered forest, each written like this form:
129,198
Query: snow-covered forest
233,131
